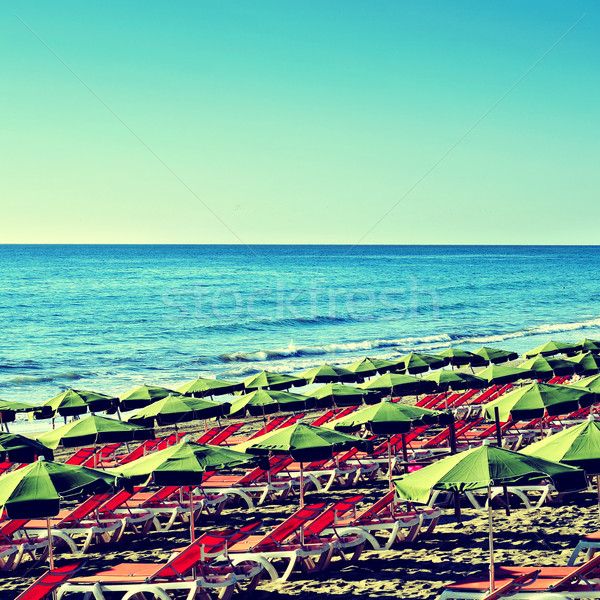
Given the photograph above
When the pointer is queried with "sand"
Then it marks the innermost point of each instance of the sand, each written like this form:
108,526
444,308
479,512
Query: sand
417,570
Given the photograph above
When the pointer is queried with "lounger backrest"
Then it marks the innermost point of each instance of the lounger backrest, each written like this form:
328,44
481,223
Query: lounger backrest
328,517
83,510
115,501
8,527
182,562
162,494
225,433
48,582
323,418
378,507
289,527
208,435
81,456
578,573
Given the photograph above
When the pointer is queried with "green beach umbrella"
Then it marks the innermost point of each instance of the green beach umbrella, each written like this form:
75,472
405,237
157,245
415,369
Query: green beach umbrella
537,399
264,402
209,387
303,443
366,367
273,381
457,357
549,348
338,394
142,396
419,363
577,446
501,374
329,374
455,380
177,409
591,383
545,368
496,356
20,449
74,402
9,410
184,464
94,429
395,383
481,468
587,345
588,363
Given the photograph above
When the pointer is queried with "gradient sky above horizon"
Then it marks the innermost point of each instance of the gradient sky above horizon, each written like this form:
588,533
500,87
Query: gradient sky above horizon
300,122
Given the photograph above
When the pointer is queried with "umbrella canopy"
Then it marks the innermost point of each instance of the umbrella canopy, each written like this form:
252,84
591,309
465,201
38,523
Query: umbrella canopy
365,367
591,383
9,410
495,356
142,396
273,381
183,464
263,402
455,380
177,409
587,345
588,363
501,374
329,374
35,491
459,357
303,443
209,387
544,368
577,446
384,418
394,383
537,399
94,429
419,363
338,394
549,348
74,402
20,449
477,468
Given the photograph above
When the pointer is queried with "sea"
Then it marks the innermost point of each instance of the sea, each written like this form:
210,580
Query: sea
111,317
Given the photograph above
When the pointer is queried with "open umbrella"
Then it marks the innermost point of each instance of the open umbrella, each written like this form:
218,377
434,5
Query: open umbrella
481,468
203,386
588,363
177,409
591,383
366,367
385,418
537,399
273,381
9,409
419,363
142,396
459,357
329,374
74,402
455,380
587,345
545,368
303,443
501,374
184,464
20,449
338,394
94,429
495,356
395,383
549,348
35,490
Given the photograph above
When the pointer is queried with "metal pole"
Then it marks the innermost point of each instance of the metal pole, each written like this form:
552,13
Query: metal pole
192,524
498,428
491,539
301,484
389,441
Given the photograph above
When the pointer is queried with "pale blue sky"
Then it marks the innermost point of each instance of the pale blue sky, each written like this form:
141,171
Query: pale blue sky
300,122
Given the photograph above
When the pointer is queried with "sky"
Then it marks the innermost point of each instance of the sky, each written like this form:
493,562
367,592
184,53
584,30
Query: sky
300,121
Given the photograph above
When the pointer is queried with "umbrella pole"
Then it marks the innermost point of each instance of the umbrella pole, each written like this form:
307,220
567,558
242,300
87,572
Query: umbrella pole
598,486
301,484
389,440
491,539
50,552
192,525
404,452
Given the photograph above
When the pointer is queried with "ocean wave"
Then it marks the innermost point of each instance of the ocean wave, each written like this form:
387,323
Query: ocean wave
68,375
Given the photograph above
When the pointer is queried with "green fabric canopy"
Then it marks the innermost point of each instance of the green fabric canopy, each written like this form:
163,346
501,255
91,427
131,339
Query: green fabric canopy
35,491
142,396
74,402
384,418
455,380
94,429
500,374
495,356
419,363
177,409
184,464
477,468
459,357
591,383
588,363
265,402
537,399
20,449
587,345
303,443
395,383
338,394
329,374
273,381
577,446
209,387
365,367
544,368
549,348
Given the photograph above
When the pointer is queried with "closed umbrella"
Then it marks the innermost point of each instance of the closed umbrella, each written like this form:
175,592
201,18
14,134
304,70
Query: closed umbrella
495,355
272,381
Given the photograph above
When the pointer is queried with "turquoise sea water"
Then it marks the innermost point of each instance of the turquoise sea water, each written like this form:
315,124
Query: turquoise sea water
108,318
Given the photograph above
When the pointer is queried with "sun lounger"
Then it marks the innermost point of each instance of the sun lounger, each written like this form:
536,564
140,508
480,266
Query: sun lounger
16,543
43,586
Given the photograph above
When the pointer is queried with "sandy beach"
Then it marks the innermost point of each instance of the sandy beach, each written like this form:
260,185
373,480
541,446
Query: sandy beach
417,570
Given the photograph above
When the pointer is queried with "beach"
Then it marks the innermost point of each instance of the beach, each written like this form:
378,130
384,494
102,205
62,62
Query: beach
417,570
